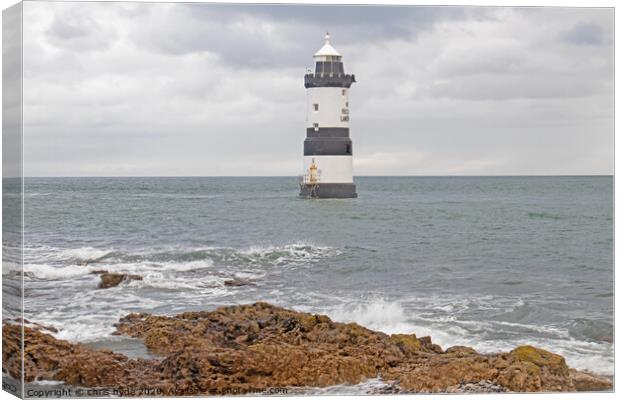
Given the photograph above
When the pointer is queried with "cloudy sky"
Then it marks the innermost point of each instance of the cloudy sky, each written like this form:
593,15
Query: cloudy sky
117,89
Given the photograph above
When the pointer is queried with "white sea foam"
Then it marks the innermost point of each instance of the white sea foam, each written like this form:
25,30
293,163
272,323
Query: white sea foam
290,253
9,267
45,262
49,272
49,253
369,386
164,281
381,315
91,315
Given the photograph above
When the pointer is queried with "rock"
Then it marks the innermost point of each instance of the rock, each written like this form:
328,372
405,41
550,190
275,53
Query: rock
541,358
109,280
461,350
47,358
238,282
408,343
41,327
586,382
532,369
238,349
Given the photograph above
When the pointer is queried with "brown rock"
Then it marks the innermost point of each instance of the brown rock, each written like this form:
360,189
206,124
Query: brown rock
109,280
251,347
541,358
408,343
586,382
461,350
533,369
51,359
238,282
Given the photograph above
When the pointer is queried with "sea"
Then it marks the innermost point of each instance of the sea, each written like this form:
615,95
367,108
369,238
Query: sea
487,262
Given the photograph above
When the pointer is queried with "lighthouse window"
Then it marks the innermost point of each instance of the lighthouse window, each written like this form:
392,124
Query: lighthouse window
344,92
316,107
316,126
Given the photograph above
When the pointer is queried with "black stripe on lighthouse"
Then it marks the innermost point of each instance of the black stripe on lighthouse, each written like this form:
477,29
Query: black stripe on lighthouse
328,147
330,191
327,132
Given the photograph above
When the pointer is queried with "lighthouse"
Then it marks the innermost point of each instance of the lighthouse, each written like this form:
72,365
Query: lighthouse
328,150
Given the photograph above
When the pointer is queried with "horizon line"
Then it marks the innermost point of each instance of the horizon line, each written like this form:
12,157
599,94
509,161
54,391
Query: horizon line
296,176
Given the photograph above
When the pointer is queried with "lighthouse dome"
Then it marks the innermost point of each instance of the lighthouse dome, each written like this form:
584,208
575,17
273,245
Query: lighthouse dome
327,52
329,70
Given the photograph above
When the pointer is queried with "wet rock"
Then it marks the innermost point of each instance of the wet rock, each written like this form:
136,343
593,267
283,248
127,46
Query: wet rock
259,346
109,280
238,282
585,382
47,358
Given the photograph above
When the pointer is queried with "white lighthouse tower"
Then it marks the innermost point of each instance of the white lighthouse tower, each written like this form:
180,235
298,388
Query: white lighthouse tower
328,150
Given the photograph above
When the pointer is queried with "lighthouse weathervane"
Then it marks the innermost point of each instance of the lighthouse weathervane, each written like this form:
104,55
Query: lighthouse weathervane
328,150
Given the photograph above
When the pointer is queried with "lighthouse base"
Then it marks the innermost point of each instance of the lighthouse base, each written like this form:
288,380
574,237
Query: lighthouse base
329,191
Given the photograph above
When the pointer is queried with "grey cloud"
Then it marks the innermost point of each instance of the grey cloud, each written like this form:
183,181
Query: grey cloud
497,87
585,34
186,89
68,29
76,31
335,16
218,28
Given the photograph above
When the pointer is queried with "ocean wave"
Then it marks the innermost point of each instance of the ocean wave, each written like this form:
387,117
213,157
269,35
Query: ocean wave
51,272
378,314
11,267
90,315
79,255
162,280
46,262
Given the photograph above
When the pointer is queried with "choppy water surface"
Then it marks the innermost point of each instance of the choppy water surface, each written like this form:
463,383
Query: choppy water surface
489,262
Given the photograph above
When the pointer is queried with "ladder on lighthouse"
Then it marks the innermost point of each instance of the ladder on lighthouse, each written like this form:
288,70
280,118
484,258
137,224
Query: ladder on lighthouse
311,179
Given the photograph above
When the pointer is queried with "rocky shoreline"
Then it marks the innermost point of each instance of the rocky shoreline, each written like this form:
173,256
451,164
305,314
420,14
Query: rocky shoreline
257,347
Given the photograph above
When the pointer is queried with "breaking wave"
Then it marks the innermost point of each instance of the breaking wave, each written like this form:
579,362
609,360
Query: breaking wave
47,263
381,315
